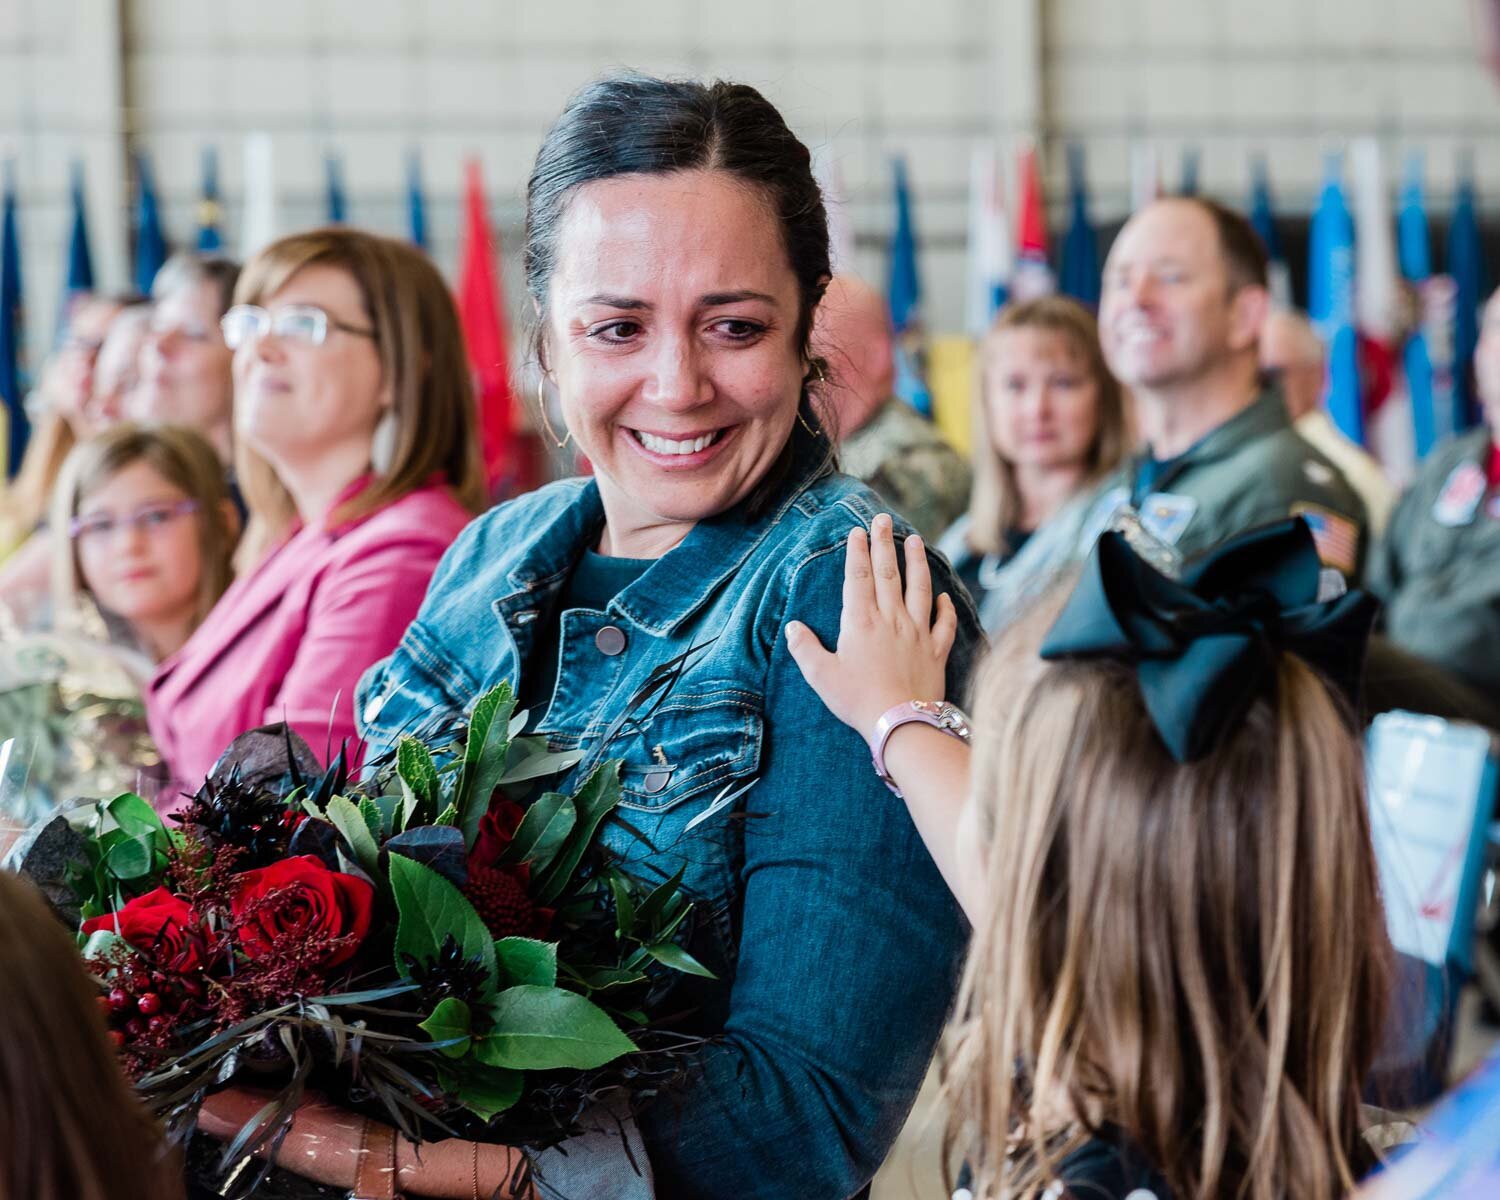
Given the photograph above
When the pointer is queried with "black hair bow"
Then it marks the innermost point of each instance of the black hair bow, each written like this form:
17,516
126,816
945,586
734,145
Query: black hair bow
1205,645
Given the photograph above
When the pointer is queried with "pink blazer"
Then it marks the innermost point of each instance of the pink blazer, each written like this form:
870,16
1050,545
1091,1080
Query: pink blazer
289,641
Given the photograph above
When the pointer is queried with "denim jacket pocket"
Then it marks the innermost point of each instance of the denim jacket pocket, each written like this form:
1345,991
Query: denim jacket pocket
693,747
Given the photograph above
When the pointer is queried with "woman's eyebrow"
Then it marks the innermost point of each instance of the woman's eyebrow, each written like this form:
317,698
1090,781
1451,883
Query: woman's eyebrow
617,302
714,299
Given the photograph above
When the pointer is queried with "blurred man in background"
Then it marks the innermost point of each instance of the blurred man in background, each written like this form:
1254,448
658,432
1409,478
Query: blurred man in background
1292,356
883,442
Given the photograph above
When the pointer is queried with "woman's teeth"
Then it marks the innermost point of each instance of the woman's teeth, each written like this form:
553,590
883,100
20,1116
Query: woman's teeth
661,445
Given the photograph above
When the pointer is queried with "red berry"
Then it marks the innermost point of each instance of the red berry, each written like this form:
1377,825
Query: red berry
105,1007
116,1039
135,1027
149,1003
156,1024
119,999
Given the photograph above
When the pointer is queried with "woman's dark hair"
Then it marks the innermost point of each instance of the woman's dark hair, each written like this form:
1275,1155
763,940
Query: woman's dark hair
633,124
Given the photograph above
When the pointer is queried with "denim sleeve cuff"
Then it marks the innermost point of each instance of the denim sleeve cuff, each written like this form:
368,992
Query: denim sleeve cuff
607,1162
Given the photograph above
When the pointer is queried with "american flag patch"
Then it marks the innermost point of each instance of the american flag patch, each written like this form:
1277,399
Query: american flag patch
1337,537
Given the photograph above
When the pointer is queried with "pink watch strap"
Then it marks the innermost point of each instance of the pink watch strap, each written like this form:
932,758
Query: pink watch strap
942,716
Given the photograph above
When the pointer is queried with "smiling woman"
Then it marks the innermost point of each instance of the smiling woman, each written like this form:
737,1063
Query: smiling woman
676,251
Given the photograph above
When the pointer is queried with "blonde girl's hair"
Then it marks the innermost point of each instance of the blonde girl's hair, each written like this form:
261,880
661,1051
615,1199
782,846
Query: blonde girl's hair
995,504
1195,954
421,348
70,1125
183,459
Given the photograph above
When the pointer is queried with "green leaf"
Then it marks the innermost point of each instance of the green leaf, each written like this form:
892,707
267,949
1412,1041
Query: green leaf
449,816
539,1029
518,723
419,780
604,979
449,1023
534,766
653,905
348,820
370,811
430,908
669,954
594,800
132,859
134,815
619,887
484,1091
525,960
485,752
101,942
542,831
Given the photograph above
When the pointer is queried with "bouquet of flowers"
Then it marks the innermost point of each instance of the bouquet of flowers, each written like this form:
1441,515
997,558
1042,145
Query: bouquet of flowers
449,952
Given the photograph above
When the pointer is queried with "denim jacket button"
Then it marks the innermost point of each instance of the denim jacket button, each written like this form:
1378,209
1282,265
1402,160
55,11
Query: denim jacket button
655,781
610,640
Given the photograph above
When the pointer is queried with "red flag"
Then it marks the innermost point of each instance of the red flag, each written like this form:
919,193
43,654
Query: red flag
482,315
1033,277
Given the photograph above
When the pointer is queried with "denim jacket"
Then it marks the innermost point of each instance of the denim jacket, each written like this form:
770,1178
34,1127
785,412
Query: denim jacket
832,935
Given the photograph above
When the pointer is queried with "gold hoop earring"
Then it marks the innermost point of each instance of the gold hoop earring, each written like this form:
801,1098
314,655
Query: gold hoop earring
541,407
815,433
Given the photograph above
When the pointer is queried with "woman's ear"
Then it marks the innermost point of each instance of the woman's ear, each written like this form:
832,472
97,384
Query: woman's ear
231,516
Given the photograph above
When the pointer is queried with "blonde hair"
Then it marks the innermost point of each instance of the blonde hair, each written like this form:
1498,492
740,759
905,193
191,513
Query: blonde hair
995,504
70,1126
1195,954
30,492
421,348
183,459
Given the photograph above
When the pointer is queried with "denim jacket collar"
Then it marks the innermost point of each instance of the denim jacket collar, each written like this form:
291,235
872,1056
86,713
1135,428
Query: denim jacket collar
677,584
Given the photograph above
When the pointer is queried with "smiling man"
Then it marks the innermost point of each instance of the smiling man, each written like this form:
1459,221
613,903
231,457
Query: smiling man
1180,318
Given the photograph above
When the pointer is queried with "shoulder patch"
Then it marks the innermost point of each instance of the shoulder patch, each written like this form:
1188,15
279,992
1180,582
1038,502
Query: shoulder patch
1166,516
1462,491
1318,473
1337,537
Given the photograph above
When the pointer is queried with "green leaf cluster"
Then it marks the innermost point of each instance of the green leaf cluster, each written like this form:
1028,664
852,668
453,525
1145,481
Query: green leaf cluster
126,854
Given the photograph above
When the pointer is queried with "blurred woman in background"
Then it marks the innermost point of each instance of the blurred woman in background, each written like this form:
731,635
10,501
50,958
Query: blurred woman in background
354,418
1052,423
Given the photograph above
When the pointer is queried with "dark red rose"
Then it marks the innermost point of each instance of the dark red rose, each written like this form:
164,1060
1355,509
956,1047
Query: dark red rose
299,899
160,925
497,829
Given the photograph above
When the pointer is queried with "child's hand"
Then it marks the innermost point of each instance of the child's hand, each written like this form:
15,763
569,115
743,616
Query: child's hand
890,649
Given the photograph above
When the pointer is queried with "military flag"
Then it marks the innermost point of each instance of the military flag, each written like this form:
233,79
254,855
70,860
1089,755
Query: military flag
210,211
1080,251
990,254
1466,266
150,242
12,386
416,206
904,295
1428,357
1033,276
1330,301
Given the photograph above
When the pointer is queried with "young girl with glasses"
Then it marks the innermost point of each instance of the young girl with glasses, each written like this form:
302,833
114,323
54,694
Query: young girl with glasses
144,529
1179,963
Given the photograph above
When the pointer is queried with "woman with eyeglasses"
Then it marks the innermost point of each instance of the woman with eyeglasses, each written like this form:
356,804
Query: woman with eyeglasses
356,452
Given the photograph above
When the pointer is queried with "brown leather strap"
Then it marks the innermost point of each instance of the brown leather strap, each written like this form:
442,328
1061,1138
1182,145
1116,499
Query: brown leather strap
375,1169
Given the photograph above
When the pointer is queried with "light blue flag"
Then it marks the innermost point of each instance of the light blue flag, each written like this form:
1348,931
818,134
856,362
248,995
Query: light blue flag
1191,160
904,295
210,213
150,242
1428,374
1080,248
337,206
416,207
1466,266
1330,302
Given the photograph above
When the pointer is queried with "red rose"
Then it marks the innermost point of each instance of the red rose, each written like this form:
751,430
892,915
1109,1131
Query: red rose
159,924
299,899
497,829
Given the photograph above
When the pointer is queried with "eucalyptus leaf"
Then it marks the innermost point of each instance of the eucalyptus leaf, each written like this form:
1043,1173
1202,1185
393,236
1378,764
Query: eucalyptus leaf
526,960
350,822
539,1029
102,942
449,1022
430,908
537,765
518,723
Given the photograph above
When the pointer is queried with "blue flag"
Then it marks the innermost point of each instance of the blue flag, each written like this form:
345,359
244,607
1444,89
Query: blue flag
1428,422
1466,266
150,244
80,260
1330,302
337,208
210,212
904,294
416,207
11,385
1262,214
1080,248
